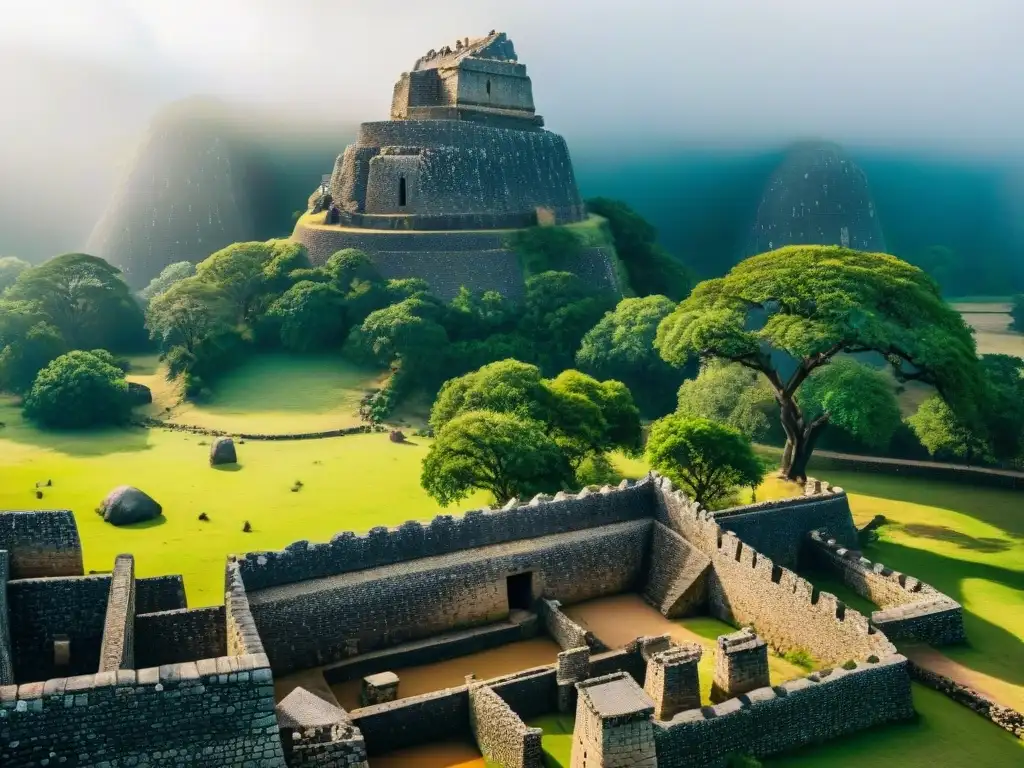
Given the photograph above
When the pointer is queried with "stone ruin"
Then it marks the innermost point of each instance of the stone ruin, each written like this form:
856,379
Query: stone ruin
434,191
109,669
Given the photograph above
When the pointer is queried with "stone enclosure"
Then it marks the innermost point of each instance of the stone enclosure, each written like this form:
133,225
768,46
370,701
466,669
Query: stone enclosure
103,669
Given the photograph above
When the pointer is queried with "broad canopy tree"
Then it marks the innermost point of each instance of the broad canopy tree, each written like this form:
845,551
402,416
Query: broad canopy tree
789,312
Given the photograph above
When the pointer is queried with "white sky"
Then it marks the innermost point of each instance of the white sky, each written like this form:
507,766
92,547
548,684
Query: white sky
948,73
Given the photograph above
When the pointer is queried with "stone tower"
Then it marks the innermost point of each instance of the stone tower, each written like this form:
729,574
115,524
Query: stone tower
613,724
741,664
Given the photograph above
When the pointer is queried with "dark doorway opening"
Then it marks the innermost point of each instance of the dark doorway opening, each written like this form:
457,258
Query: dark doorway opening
488,87
401,191
520,592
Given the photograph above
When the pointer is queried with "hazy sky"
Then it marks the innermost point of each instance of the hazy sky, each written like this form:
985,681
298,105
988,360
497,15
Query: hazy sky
943,73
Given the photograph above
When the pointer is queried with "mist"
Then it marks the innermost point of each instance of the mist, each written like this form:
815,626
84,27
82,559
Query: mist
625,83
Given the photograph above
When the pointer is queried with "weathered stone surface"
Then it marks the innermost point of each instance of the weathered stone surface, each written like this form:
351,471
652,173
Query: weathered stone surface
139,394
222,451
126,505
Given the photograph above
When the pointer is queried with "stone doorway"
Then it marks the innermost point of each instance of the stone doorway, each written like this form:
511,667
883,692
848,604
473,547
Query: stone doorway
520,591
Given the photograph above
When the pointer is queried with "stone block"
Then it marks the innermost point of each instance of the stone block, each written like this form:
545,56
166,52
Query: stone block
379,689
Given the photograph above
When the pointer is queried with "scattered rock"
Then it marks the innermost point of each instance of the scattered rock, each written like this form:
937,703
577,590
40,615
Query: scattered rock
297,486
125,505
396,436
247,528
39,494
139,394
204,517
222,451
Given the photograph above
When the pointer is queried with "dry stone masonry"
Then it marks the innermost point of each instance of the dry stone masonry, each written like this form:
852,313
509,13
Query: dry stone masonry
106,670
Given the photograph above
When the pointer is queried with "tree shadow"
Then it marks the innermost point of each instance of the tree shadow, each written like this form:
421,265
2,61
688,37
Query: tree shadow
77,443
945,533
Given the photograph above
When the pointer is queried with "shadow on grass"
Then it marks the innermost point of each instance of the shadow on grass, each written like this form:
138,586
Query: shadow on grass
155,522
79,443
945,533
227,467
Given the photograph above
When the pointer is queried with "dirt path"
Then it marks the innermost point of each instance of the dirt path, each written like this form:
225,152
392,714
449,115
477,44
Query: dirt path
915,463
999,691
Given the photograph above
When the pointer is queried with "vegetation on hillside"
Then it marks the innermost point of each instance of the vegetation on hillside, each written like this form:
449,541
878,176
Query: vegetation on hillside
79,390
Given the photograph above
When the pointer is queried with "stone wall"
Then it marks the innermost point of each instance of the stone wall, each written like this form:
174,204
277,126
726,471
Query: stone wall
677,579
117,650
445,534
927,470
912,610
500,733
160,593
42,608
564,631
172,637
1006,718
747,588
769,721
439,716
317,622
780,534
41,543
217,713
241,635
6,659
530,693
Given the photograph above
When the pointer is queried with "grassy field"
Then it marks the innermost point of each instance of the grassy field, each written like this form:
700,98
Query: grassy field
269,394
349,483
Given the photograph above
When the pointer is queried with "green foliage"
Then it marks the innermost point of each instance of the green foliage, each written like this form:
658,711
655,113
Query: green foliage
78,390
87,301
479,315
1017,313
943,264
507,456
238,273
10,268
737,760
170,275
944,435
857,398
597,470
187,312
728,394
619,416
508,386
621,346
812,303
708,460
406,331
800,657
558,310
542,249
27,343
309,316
349,265
651,270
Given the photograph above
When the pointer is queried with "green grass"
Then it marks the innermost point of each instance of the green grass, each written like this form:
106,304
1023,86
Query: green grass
557,738
273,393
349,483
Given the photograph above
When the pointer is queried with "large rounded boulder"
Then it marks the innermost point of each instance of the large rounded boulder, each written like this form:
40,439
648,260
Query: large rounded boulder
139,394
222,451
126,505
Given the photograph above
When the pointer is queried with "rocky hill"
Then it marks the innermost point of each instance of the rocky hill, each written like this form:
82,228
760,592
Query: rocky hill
207,174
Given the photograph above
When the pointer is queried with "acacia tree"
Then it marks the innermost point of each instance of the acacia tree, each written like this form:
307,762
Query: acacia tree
789,312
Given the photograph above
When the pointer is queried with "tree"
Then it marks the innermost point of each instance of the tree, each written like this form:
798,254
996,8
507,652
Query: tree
78,390
619,415
1017,313
86,299
479,315
187,312
857,398
621,346
706,459
406,332
27,343
507,456
309,316
558,310
787,313
170,275
944,435
286,258
507,386
349,265
10,268
237,271
545,248
651,270
729,394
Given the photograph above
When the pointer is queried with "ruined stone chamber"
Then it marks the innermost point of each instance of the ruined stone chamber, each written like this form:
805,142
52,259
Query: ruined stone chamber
817,196
435,191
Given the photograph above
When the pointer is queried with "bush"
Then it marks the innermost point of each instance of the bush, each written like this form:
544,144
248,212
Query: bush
800,658
850,664
79,390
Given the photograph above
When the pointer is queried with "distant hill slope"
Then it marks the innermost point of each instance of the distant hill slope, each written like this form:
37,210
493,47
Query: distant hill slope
207,174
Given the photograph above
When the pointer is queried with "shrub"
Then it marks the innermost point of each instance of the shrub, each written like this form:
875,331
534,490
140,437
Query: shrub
79,390
851,664
800,658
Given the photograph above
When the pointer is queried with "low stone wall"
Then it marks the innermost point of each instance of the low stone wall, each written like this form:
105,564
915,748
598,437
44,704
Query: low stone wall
217,713
769,721
778,528
500,733
530,693
41,608
1006,718
912,610
677,579
747,588
160,593
430,651
117,650
564,631
41,543
318,622
928,470
173,637
6,659
194,430
542,516
417,720
241,634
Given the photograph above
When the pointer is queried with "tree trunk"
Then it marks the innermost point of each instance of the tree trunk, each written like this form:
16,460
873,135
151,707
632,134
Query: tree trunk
800,439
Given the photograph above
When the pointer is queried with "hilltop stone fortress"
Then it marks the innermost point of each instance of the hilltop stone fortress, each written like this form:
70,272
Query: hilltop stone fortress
112,670
464,161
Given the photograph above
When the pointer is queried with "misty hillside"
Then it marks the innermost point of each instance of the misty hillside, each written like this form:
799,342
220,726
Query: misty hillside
207,174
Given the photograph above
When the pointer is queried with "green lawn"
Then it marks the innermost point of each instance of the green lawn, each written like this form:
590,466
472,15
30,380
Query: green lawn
349,483
271,393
